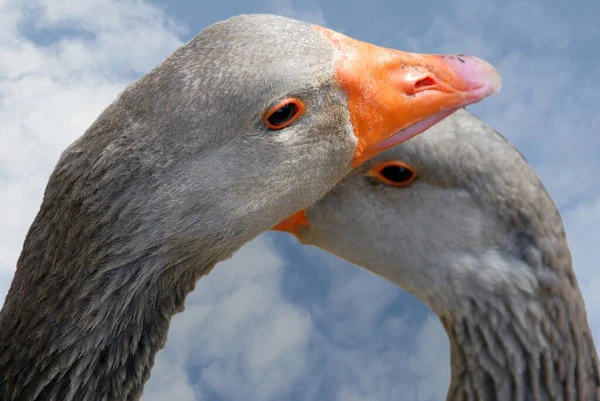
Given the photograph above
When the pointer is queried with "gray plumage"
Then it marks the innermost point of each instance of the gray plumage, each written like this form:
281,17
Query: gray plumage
476,237
173,177
185,167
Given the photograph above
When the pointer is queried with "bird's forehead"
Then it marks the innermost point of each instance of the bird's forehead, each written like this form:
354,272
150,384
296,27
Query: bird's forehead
265,55
269,37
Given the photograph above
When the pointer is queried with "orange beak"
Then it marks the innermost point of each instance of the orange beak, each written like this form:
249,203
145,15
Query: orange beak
393,95
293,223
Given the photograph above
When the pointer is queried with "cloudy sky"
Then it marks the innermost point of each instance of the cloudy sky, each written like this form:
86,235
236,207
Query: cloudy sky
279,321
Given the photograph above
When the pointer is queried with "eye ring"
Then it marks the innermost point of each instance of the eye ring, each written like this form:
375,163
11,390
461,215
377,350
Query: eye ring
284,113
393,173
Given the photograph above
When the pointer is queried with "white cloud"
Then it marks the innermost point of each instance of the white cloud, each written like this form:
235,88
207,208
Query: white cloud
431,360
238,337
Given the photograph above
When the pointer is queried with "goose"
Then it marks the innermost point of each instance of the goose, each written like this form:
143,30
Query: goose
255,118
458,219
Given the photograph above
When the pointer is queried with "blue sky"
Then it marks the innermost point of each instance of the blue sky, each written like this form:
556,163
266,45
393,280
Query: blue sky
280,321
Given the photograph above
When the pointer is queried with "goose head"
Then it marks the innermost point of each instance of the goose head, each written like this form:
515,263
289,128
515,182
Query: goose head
452,215
459,219
259,116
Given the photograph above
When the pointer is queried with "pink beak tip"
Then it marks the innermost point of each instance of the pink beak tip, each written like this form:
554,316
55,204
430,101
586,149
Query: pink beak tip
482,78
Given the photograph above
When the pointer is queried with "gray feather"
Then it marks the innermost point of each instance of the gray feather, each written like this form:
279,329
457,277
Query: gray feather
173,177
476,237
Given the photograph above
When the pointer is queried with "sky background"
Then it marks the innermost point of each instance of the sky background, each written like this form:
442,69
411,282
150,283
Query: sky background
279,321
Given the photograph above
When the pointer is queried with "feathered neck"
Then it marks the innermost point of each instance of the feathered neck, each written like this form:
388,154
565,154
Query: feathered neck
518,345
96,285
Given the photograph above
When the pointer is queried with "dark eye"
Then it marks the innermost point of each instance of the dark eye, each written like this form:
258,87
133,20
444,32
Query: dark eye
396,173
393,173
284,113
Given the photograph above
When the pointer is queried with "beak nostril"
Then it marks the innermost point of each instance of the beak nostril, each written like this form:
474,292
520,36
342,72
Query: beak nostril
424,83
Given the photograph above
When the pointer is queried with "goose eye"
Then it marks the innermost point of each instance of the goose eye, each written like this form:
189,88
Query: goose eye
393,173
283,114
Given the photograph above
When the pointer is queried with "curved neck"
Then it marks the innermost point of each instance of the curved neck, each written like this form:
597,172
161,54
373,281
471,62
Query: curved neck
91,334
96,285
508,351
